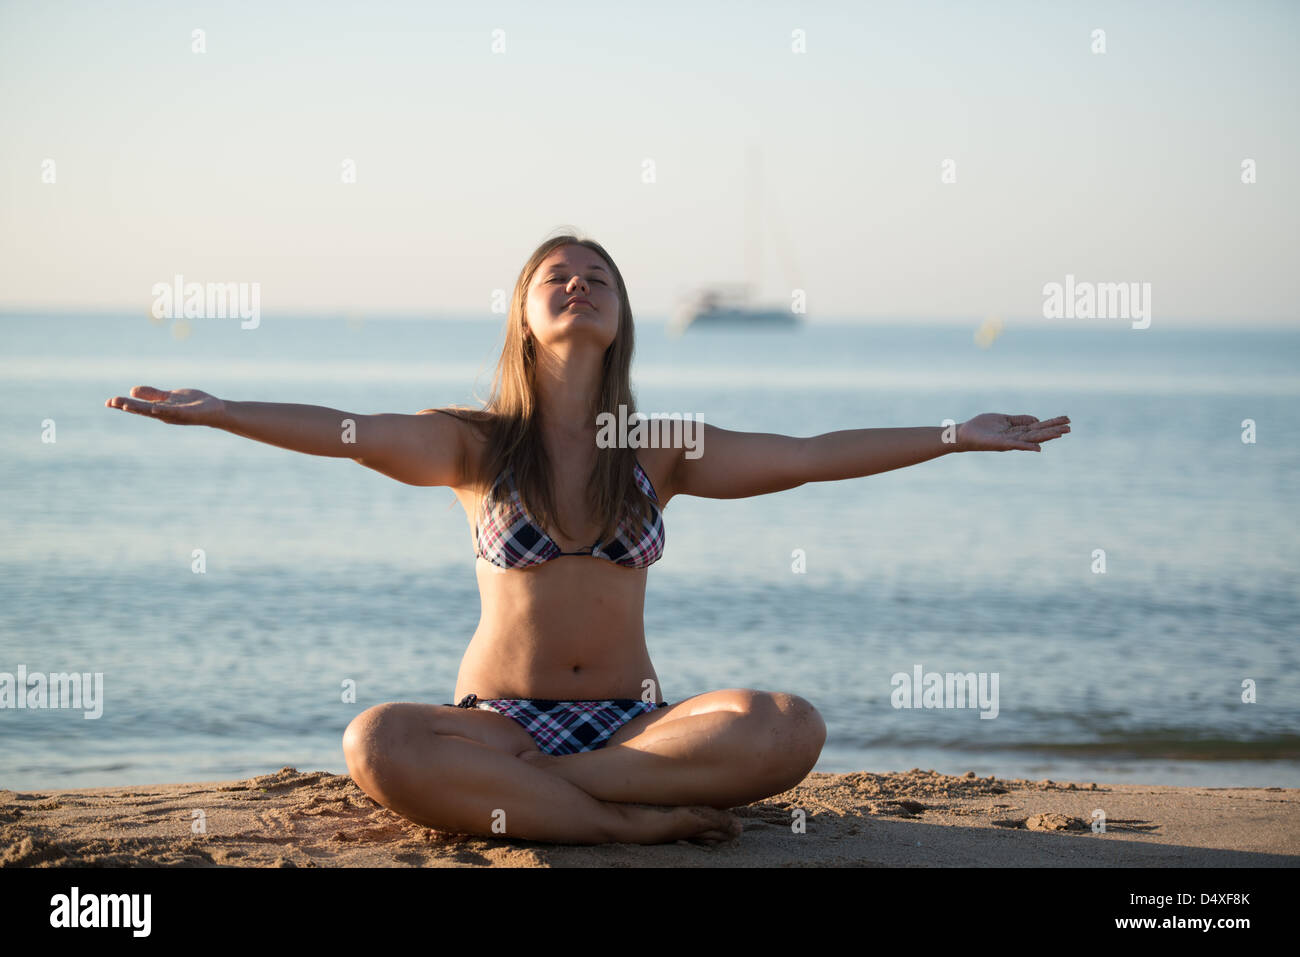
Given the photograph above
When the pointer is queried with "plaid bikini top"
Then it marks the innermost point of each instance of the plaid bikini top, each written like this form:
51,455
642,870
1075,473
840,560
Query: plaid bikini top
509,538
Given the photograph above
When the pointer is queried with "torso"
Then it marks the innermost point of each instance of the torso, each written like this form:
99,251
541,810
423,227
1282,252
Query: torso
571,628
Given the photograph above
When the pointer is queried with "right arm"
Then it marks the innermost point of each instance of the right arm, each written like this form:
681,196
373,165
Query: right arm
420,449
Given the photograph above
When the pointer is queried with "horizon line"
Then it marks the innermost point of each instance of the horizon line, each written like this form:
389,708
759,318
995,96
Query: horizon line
653,318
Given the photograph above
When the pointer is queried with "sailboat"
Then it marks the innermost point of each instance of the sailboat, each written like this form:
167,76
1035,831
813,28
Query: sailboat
732,305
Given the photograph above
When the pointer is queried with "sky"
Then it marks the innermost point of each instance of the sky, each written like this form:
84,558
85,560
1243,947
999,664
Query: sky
670,133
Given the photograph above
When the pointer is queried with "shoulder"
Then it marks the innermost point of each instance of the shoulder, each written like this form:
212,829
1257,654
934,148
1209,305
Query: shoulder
473,423
472,429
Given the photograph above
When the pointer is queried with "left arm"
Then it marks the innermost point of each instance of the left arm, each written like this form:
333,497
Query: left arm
855,453
742,464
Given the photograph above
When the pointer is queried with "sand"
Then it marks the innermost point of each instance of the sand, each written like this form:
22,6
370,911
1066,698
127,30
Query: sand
911,819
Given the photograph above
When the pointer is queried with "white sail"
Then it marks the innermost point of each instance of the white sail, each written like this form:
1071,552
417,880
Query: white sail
733,304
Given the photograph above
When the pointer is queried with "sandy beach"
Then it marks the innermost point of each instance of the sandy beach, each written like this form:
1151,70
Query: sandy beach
907,819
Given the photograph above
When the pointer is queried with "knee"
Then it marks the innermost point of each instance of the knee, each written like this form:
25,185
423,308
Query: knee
791,728
805,729
367,739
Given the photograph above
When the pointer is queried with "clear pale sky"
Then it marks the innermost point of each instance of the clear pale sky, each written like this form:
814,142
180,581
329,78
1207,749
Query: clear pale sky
225,166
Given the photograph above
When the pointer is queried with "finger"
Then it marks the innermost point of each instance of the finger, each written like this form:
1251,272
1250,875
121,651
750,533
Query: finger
140,407
1030,420
1054,425
149,393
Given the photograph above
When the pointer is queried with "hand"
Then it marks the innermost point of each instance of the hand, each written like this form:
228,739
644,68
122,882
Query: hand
993,432
179,406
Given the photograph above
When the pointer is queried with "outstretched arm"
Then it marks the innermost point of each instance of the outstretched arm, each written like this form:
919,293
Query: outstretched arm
857,452
742,464
420,449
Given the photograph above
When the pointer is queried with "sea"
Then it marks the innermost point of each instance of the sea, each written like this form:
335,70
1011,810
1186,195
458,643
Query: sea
1126,598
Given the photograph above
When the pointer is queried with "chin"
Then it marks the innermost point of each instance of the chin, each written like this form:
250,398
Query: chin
586,327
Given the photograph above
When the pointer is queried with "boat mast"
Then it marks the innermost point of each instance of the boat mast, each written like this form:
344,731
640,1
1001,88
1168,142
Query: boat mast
753,220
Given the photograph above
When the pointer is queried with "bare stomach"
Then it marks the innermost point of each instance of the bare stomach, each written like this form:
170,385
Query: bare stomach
571,629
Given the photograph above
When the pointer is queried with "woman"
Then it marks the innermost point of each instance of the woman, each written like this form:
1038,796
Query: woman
561,732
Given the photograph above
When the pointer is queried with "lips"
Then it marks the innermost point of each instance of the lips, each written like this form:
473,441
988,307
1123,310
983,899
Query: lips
576,300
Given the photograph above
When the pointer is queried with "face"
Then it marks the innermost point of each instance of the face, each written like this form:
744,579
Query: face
578,273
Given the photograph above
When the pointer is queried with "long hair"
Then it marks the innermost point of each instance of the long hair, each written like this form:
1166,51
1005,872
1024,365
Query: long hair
511,418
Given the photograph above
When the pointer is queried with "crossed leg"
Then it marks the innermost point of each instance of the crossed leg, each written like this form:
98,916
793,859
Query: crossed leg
478,772
721,749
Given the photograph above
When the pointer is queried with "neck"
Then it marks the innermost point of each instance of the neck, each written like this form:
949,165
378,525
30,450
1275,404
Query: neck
568,382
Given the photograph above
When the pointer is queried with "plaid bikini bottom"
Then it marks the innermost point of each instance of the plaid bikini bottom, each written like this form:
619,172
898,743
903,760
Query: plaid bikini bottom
565,727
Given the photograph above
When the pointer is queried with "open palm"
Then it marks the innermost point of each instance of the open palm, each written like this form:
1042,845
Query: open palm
177,406
994,432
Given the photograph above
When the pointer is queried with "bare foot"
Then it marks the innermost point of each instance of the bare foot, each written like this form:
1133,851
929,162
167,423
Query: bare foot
722,826
656,824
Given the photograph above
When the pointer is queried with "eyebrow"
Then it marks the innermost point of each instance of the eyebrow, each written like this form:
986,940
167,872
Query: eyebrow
555,266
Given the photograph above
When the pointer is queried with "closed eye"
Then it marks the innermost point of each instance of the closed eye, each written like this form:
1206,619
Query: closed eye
561,278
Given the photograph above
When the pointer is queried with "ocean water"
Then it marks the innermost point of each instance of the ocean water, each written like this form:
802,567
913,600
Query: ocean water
320,571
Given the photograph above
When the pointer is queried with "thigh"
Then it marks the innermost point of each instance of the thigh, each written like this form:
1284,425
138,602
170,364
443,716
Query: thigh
739,700
395,722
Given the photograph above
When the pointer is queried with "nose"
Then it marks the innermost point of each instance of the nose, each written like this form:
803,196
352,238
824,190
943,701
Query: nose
580,287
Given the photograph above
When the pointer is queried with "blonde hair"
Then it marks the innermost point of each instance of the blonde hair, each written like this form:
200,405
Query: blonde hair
510,418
